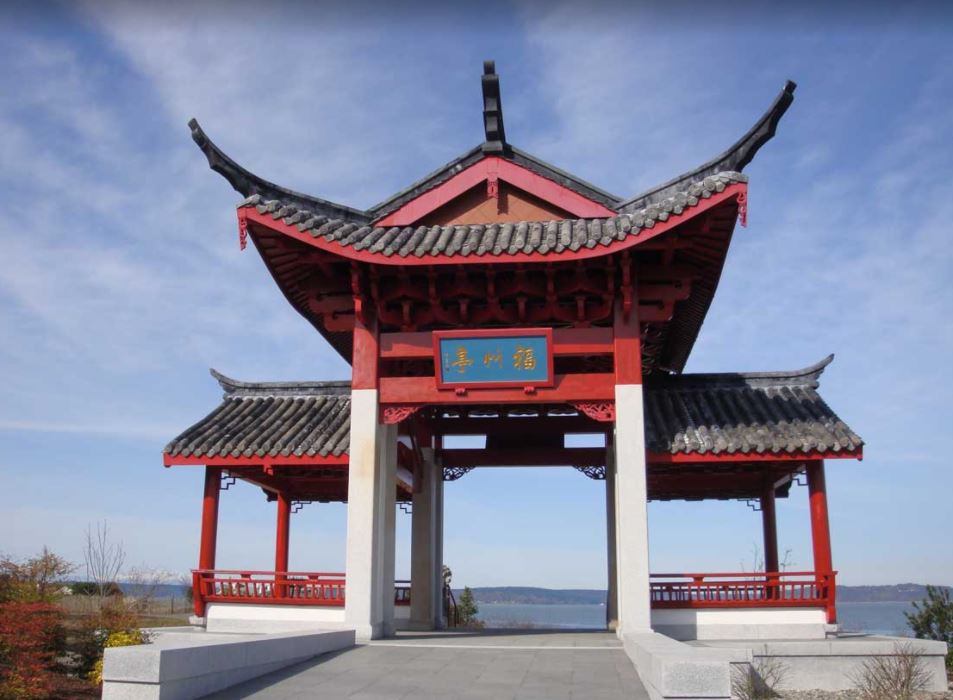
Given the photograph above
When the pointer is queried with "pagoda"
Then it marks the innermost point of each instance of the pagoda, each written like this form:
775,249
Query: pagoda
500,296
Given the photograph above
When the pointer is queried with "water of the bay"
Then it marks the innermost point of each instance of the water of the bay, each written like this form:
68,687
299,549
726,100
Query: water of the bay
874,618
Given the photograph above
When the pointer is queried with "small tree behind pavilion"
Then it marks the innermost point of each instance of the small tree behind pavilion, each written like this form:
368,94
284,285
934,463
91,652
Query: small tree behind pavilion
932,618
467,609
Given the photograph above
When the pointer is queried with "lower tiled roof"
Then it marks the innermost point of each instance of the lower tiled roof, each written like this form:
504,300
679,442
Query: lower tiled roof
273,419
755,413
691,414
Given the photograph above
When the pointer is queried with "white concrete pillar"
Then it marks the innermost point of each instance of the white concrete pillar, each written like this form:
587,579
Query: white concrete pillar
612,596
369,593
426,565
632,531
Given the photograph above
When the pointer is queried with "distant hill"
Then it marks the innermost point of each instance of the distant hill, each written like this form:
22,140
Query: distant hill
899,593
524,595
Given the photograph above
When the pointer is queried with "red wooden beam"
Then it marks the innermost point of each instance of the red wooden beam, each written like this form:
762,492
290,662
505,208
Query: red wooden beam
251,216
566,342
517,425
566,456
495,168
568,387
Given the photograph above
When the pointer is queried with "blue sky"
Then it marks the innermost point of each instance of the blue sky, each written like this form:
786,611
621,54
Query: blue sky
121,280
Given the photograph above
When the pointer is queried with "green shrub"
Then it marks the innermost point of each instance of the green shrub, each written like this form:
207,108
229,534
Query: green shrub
932,618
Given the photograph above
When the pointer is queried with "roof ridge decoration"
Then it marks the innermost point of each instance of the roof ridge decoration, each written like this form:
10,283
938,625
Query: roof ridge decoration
554,236
234,388
494,132
735,158
807,377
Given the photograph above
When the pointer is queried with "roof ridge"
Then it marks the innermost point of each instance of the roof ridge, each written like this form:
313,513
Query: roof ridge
806,376
235,387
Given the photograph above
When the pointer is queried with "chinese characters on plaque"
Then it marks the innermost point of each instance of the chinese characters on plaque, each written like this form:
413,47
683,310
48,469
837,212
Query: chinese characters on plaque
505,359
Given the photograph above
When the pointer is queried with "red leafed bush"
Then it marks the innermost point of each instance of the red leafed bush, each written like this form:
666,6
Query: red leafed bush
31,633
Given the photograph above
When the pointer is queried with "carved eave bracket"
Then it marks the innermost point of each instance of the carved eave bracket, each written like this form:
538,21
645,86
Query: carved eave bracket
602,411
391,415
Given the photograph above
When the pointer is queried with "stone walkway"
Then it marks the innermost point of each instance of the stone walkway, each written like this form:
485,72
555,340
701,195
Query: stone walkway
504,665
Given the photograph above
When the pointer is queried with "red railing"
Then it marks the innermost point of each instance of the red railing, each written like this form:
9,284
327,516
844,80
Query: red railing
276,588
800,589
401,592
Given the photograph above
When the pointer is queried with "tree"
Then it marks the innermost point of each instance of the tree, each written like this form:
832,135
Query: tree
467,609
104,559
932,618
33,579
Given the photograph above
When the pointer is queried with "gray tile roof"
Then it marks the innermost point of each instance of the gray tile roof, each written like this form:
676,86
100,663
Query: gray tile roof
271,419
697,414
756,413
495,239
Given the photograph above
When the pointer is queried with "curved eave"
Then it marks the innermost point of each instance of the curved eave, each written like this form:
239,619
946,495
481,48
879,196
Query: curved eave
249,215
735,158
248,184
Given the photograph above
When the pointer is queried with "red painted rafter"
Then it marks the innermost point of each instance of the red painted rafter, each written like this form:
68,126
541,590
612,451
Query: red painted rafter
490,170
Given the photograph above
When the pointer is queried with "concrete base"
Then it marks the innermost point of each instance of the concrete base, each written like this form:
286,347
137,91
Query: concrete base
186,663
755,623
671,669
272,619
832,664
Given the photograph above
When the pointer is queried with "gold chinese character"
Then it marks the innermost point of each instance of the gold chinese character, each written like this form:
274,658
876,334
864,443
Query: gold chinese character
463,360
490,357
524,358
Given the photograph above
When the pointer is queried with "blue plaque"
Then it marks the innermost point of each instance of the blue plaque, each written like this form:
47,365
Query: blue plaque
493,358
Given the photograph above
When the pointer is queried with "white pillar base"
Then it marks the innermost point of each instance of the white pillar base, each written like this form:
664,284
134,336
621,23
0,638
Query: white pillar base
426,564
632,532
369,601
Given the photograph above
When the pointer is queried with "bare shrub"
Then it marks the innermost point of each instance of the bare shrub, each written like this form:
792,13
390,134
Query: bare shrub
758,680
899,676
104,559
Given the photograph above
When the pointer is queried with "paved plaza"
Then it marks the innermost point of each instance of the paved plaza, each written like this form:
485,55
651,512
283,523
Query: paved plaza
504,665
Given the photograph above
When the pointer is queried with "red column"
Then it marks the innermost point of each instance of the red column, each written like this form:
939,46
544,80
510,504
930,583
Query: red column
821,534
282,537
213,480
769,526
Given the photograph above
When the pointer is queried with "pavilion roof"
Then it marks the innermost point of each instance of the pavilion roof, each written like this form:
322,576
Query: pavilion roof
701,415
522,237
735,158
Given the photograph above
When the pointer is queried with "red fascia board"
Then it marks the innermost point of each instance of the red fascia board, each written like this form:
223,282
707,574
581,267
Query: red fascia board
697,458
251,215
278,461
494,167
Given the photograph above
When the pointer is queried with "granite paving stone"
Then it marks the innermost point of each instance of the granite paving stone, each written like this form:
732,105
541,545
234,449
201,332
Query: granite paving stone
491,666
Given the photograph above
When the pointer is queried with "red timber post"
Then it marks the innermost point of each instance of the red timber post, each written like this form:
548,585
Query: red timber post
769,526
209,536
282,538
821,536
